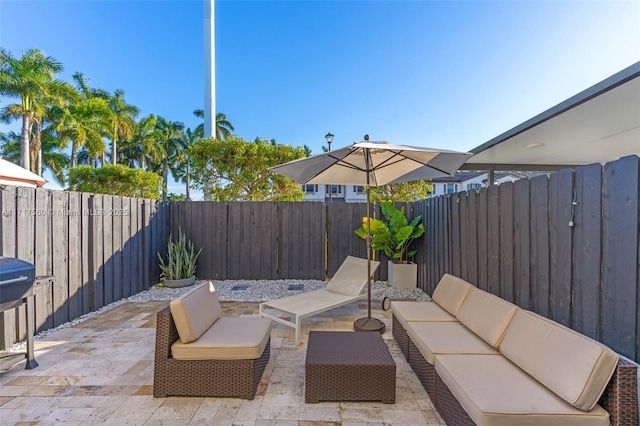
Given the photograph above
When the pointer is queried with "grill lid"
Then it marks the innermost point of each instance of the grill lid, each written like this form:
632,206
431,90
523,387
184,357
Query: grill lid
11,268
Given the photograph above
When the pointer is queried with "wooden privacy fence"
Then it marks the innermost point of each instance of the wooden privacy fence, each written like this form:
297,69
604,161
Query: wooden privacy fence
516,241
268,240
513,240
100,249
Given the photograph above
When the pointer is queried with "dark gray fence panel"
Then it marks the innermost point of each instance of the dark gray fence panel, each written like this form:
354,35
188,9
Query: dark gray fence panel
59,203
9,204
43,258
587,251
465,237
483,239
539,296
560,249
473,234
455,254
506,241
620,255
74,216
493,239
127,248
420,208
107,249
25,244
522,242
342,220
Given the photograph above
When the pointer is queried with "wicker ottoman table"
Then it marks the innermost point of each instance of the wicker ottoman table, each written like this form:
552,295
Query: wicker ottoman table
349,366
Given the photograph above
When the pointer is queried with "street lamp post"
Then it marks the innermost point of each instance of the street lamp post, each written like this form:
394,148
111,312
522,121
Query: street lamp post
329,138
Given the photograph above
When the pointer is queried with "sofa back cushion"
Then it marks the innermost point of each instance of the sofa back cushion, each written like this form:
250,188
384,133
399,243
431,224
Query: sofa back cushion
486,315
573,366
195,311
451,292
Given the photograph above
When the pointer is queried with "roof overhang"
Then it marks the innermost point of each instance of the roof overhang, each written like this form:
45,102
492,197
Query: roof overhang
598,125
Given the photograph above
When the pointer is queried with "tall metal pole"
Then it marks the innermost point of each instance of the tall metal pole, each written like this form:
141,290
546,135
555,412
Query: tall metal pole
209,69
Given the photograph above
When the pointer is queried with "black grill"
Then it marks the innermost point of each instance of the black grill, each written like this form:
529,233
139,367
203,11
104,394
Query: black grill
17,279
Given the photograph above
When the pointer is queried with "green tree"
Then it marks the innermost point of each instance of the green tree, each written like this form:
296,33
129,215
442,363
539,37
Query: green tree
143,149
123,121
32,79
401,192
170,141
181,166
52,159
236,169
115,180
223,126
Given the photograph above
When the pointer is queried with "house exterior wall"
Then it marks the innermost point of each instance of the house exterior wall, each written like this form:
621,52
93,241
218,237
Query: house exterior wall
347,193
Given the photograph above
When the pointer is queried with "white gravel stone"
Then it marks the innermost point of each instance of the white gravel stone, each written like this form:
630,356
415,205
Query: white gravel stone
256,291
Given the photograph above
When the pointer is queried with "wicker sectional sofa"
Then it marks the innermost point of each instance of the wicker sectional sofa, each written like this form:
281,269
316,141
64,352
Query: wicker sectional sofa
486,361
199,352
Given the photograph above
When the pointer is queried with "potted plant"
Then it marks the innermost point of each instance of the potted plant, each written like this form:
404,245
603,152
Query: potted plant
180,267
394,235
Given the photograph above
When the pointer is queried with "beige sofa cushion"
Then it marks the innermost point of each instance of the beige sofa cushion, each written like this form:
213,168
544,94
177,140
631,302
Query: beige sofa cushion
495,392
436,338
486,315
228,338
573,366
195,311
406,311
451,292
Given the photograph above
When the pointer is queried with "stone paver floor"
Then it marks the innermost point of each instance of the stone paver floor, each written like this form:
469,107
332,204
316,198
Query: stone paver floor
100,371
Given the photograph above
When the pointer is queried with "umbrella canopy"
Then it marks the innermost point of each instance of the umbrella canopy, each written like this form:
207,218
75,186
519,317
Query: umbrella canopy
373,164
368,164
12,174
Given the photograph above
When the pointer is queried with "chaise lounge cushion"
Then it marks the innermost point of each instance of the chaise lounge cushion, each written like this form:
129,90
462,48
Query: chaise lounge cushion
436,338
486,315
573,366
195,311
495,392
351,277
228,338
406,311
451,292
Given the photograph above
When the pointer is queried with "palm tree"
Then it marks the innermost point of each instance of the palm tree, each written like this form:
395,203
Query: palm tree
223,126
52,159
123,121
143,147
84,124
32,79
181,168
84,121
170,140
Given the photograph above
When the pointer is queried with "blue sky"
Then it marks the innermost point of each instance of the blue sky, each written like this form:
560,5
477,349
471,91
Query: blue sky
450,74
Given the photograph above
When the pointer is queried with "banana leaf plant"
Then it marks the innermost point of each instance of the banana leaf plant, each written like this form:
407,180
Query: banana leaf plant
394,234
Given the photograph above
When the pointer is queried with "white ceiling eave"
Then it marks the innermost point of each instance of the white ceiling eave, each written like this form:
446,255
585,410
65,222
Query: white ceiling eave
598,125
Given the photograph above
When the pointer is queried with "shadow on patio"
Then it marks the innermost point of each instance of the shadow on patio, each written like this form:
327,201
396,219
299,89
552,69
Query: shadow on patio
101,371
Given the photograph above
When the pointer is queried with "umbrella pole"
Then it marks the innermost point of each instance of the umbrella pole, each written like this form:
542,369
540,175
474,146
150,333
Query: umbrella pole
368,323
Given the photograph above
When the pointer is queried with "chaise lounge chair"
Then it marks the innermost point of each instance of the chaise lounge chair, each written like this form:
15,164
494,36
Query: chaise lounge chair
344,288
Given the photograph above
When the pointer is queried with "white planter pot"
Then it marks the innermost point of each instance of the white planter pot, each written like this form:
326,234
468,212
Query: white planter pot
403,275
179,283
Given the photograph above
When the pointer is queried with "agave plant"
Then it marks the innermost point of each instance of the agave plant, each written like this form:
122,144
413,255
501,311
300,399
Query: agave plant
181,259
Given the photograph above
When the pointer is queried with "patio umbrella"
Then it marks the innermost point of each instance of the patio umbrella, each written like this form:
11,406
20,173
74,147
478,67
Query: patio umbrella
12,174
369,164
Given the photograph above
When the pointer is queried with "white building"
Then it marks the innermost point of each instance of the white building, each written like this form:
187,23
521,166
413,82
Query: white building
467,181
339,193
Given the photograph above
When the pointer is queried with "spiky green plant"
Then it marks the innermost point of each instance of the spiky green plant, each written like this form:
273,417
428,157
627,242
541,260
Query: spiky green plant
181,258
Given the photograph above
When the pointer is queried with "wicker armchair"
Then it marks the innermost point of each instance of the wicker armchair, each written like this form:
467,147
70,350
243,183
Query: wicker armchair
220,378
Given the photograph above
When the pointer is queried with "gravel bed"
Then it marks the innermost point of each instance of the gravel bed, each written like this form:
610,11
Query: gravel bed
235,291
